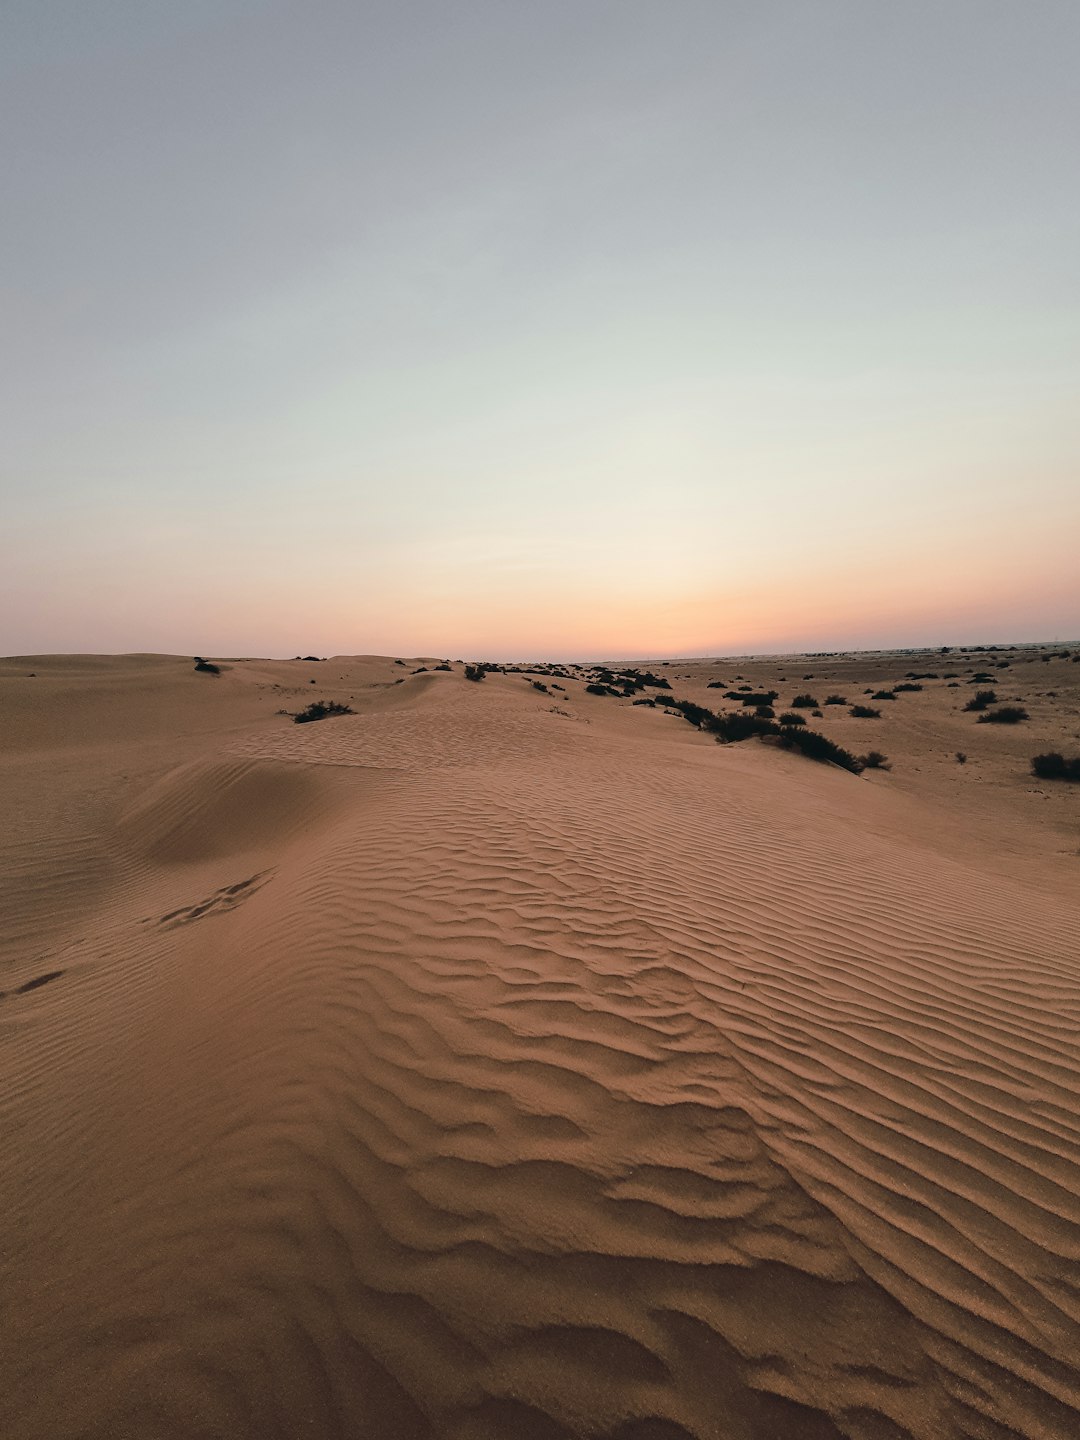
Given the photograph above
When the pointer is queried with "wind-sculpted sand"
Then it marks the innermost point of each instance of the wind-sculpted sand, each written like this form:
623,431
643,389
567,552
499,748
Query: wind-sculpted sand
463,1068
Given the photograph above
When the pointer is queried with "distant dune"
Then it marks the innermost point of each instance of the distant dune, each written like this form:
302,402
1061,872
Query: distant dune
497,1063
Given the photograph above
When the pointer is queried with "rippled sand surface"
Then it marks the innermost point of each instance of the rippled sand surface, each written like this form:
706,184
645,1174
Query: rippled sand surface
498,1064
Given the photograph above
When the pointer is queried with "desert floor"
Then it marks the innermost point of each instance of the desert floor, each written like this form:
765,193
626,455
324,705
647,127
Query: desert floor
501,1063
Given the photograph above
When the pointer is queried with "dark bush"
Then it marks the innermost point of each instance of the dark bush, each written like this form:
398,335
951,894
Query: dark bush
1007,715
539,685
444,666
595,688
835,699
474,672
643,700
740,726
816,746
320,710
905,688
875,760
792,717
804,702
205,666
961,757
883,695
1054,766
759,697
981,699
864,712
765,712
980,678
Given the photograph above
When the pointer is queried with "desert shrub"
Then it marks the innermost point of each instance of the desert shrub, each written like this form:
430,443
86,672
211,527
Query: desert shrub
905,687
981,699
792,717
539,685
864,712
474,672
716,685
1054,766
317,658
835,699
875,760
817,714
759,697
643,700
765,712
205,666
883,695
980,678
320,710
961,757
804,702
1007,715
444,666
595,687
740,726
816,746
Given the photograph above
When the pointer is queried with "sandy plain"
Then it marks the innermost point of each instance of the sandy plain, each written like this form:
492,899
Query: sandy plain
500,1063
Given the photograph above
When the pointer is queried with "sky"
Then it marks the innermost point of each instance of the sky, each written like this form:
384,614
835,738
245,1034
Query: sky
538,328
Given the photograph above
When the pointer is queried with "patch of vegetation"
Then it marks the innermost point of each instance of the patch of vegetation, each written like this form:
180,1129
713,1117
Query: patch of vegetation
864,712
961,757
321,710
792,717
643,700
875,760
539,685
205,666
765,712
816,746
1007,715
883,695
475,672
1054,766
444,666
835,699
905,687
805,702
759,697
981,700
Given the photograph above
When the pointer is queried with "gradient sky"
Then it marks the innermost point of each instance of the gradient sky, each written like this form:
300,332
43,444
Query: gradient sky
568,327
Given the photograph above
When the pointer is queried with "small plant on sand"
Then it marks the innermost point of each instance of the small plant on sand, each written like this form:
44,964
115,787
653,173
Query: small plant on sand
759,697
1007,715
804,702
474,672
883,695
321,710
1054,766
205,667
961,757
835,699
765,712
875,760
864,712
905,687
792,717
981,699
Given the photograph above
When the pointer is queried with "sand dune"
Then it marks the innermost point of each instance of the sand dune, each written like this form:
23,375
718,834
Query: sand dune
494,1064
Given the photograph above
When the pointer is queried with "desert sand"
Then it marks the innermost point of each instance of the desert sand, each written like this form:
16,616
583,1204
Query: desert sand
500,1063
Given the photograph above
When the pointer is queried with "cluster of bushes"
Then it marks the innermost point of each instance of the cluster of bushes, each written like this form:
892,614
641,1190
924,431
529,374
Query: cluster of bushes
804,702
905,687
730,729
1054,766
835,699
205,666
883,695
320,710
865,712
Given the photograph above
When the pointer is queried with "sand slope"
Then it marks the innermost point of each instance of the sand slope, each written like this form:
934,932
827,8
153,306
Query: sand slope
463,1068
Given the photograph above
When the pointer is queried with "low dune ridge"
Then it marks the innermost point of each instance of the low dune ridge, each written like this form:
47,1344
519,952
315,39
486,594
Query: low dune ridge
489,1063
